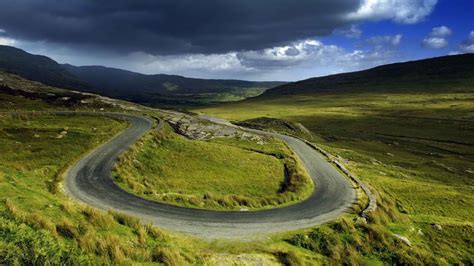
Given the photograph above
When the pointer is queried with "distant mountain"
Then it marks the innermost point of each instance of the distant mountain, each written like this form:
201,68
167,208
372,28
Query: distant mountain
160,88
37,68
440,73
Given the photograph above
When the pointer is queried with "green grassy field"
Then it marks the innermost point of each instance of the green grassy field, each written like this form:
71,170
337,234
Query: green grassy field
217,174
416,150
38,223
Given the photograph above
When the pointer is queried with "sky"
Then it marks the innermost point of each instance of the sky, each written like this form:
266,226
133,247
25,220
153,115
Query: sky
283,40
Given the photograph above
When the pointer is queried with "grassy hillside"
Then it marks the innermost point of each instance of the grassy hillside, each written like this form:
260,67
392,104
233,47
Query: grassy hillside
455,73
414,148
223,174
159,90
39,224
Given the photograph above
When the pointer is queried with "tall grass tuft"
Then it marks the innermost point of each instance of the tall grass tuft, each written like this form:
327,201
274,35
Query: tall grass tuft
167,256
66,229
13,210
98,218
42,222
127,220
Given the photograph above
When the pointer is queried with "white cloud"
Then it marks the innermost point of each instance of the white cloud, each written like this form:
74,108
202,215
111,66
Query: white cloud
299,60
441,31
393,40
353,32
435,43
401,11
296,61
7,41
290,55
468,45
437,38
213,63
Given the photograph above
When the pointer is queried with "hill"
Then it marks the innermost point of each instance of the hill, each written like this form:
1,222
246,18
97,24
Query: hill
447,72
410,148
406,131
155,90
37,68
165,89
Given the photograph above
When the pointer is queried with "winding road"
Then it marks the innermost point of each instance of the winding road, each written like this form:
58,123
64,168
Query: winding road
90,182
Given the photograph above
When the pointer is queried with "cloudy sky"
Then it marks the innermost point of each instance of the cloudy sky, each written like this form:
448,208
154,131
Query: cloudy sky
241,39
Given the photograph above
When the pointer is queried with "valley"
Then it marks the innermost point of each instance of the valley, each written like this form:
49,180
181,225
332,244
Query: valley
408,148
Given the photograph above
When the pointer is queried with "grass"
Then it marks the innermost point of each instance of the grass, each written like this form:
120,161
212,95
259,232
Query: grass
40,226
415,149
177,100
218,174
412,149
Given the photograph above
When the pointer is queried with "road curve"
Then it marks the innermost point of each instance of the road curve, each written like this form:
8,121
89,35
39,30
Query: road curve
90,182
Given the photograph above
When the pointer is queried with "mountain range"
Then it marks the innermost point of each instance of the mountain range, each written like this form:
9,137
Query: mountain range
145,89
455,72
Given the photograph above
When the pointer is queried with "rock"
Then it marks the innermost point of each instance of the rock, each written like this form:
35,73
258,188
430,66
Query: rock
199,129
436,227
403,239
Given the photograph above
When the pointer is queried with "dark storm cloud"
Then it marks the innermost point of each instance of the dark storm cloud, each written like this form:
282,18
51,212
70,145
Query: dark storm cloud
172,26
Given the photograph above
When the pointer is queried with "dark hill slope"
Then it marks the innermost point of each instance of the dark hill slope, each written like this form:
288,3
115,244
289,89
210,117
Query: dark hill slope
37,68
440,73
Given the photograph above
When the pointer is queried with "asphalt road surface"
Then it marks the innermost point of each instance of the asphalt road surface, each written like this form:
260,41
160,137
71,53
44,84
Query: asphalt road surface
90,182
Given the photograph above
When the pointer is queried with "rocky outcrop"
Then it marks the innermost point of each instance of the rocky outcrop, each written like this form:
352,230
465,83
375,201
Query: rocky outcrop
194,127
